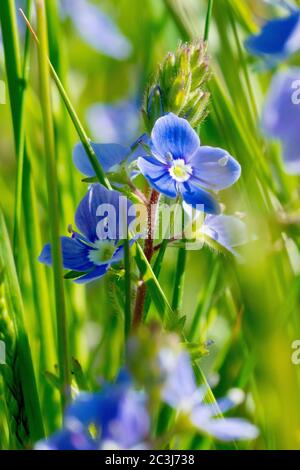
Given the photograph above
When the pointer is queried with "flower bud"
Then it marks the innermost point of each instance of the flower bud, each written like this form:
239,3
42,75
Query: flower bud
180,86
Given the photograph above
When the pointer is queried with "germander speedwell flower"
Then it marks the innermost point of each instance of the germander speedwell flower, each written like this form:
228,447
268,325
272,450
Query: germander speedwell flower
181,392
278,39
88,254
117,415
179,166
281,114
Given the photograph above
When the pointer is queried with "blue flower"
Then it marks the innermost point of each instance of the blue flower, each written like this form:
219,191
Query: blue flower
179,166
281,116
278,39
228,231
110,156
114,122
98,246
180,391
117,415
67,440
97,29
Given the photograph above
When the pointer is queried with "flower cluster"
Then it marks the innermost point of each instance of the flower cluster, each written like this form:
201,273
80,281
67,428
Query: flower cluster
119,415
176,166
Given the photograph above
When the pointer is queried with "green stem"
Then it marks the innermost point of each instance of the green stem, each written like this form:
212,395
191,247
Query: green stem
127,307
179,279
73,115
148,252
12,62
156,269
16,78
23,371
244,64
208,20
53,205
40,294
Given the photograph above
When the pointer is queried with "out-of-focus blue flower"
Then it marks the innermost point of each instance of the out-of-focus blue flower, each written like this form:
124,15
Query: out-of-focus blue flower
115,122
97,29
110,156
281,116
227,230
179,166
278,39
114,418
94,250
67,440
180,391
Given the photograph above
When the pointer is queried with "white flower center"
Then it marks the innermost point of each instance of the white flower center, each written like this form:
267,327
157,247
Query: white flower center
103,252
180,171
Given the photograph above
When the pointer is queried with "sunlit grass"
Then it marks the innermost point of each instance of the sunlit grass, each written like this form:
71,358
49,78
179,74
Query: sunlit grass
249,310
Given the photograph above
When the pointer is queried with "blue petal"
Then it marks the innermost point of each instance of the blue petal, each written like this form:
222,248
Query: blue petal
174,135
226,230
86,218
114,122
228,429
291,155
233,399
199,198
179,381
108,155
67,440
119,412
158,176
279,37
214,168
97,29
119,253
98,272
74,252
280,114
133,423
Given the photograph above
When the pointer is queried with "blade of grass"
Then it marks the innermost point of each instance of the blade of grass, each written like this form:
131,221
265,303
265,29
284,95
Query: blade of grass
16,77
40,296
156,269
208,19
127,306
53,206
23,372
73,115
179,279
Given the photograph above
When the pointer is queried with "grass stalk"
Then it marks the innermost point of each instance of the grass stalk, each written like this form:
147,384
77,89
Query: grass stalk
73,115
179,279
208,19
20,379
16,77
127,306
53,205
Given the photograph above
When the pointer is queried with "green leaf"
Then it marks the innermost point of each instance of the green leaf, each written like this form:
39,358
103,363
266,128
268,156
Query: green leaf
158,296
23,372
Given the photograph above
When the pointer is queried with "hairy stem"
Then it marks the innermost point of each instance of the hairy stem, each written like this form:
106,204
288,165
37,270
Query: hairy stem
149,251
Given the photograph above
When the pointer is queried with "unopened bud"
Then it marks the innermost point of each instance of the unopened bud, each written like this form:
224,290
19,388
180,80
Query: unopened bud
180,85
